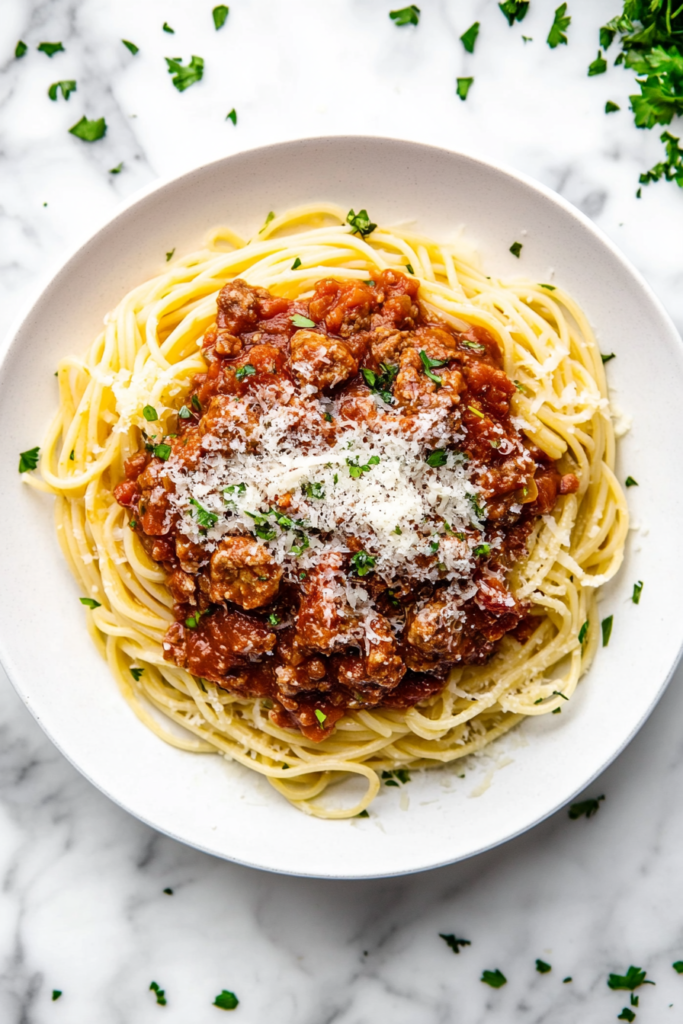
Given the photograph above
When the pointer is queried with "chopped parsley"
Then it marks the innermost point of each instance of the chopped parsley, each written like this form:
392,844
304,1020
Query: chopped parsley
162,451
159,993
169,255
302,321
220,16
409,268
431,364
474,346
320,715
56,993
585,808
271,216
362,814
626,1014
482,551
583,632
312,490
565,981
454,943
184,413
150,413
362,563
469,38
598,66
611,107
117,169
72,454
28,460
606,626
634,978
606,358
678,966
89,131
356,471
360,222
381,383
637,591
185,75
169,892
204,517
437,458
66,87
406,16
131,46
327,416
90,602
550,287
671,169
226,1000
514,10
516,248
561,22
245,371
232,116
50,48
496,979
195,403
462,87
542,967
19,51
274,619
296,264
476,507
630,482
136,673
167,28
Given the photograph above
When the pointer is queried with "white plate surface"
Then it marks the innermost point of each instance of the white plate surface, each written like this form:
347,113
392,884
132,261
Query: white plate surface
220,807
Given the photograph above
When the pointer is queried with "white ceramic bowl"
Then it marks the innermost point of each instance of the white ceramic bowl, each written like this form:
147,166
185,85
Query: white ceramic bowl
220,807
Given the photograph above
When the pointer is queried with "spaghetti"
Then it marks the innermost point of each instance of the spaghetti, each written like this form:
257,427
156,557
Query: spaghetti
147,358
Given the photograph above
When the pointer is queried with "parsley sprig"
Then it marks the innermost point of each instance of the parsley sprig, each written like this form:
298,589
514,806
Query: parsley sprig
360,222
634,978
185,75
454,943
514,10
406,16
561,22
381,383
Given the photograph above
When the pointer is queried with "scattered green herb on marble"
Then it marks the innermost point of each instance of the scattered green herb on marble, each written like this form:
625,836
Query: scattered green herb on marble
50,48
671,169
514,10
585,808
634,978
167,28
232,116
469,38
630,482
131,46
637,591
678,966
159,993
220,16
226,1000
598,66
561,22
516,249
462,87
117,169
453,943
611,107
185,75
20,49
56,993
496,979
542,967
626,1014
406,16
89,131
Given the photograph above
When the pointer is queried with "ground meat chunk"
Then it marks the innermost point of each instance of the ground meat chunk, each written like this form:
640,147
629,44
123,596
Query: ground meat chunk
381,666
492,387
321,361
229,421
242,571
220,641
182,586
190,555
436,628
325,620
415,392
345,308
155,512
569,484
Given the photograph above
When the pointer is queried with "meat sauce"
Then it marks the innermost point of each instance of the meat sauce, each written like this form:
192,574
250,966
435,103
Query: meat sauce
258,631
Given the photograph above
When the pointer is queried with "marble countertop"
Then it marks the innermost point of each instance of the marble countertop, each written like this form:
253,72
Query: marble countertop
83,907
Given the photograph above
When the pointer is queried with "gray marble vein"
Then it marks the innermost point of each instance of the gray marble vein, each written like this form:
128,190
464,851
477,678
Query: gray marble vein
82,906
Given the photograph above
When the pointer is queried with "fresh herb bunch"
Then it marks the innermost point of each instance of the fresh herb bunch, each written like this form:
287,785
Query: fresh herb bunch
650,35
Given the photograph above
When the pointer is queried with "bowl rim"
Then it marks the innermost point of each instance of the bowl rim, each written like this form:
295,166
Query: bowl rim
45,279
